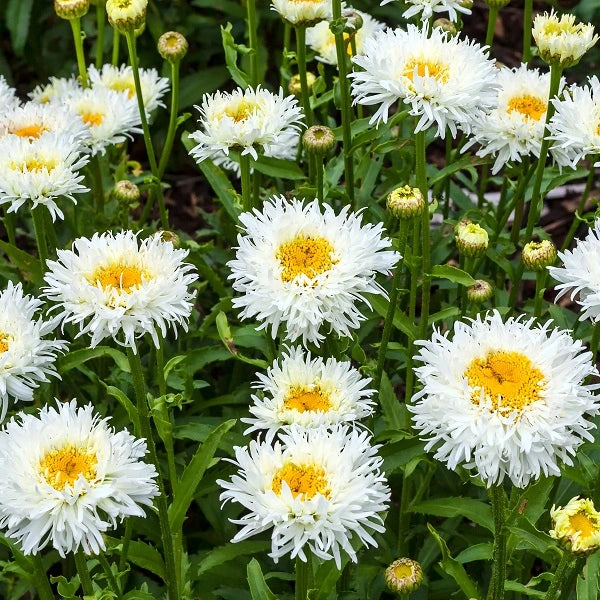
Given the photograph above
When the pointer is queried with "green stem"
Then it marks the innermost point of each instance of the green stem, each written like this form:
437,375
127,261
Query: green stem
10,226
110,576
160,367
84,573
139,386
498,500
96,169
560,575
319,172
115,48
253,41
130,37
302,576
446,209
285,61
271,346
527,30
40,578
571,579
100,26
404,516
40,234
540,284
246,183
491,26
412,309
393,303
125,546
581,208
76,28
485,172
167,148
301,61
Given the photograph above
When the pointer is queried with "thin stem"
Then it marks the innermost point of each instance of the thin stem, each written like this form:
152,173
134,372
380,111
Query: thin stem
562,571
125,546
581,208
246,182
491,26
301,61
40,578
100,26
10,226
96,169
84,573
412,308
404,516
446,209
319,173
115,48
570,580
253,41
76,28
40,234
160,367
130,37
527,30
285,61
301,579
485,172
498,499
540,283
110,576
167,148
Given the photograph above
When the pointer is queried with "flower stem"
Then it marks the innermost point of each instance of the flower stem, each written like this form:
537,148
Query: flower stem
498,499
580,209
39,229
168,147
246,183
100,26
115,49
301,579
540,283
96,168
125,546
285,62
562,572
130,37
527,30
319,173
40,578
110,576
447,182
301,61
76,28
412,308
491,26
139,386
84,573
253,41
404,516
10,226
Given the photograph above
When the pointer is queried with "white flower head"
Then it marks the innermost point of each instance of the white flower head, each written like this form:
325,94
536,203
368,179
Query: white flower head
26,358
446,81
575,126
247,120
308,392
580,274
67,477
504,399
514,127
37,171
8,97
110,116
322,41
298,12
115,285
305,267
560,40
317,491
427,8
120,79
57,90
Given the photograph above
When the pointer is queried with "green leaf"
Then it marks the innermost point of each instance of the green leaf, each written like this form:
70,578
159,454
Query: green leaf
193,474
224,554
126,403
256,581
29,266
453,568
515,586
395,417
18,16
588,583
231,56
532,537
401,321
143,555
469,508
229,343
453,274
203,81
483,551
464,163
78,357
278,168
327,577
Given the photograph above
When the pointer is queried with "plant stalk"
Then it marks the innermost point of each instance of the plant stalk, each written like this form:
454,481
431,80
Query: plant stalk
302,575
76,28
252,41
491,26
301,62
40,578
100,27
172,130
39,229
498,500
84,573
527,30
561,574
246,182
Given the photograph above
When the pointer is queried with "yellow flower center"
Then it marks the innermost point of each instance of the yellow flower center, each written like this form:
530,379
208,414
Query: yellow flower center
582,524
305,255
403,571
303,480
117,277
241,110
91,119
305,399
123,85
3,342
63,467
426,68
528,105
30,131
561,27
34,164
508,379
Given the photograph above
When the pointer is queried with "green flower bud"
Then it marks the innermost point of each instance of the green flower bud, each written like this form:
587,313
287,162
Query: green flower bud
404,576
126,192
481,291
446,25
539,255
170,236
294,86
353,21
71,9
467,4
318,140
172,46
406,202
471,239
126,15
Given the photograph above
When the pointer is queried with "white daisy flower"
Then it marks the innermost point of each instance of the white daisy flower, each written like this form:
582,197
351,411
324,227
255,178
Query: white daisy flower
110,116
322,41
575,126
26,358
560,40
57,90
33,120
37,171
67,477
298,12
317,490
514,128
8,97
120,79
580,274
427,8
247,120
445,80
115,285
308,392
504,399
305,268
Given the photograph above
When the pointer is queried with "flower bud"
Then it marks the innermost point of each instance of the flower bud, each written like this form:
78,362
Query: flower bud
354,21
471,239
539,255
481,291
577,526
126,192
126,15
404,576
468,4
496,3
294,86
71,9
318,140
406,202
172,46
445,25
170,236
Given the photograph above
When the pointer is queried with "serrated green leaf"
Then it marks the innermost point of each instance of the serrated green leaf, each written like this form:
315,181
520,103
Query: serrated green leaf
390,405
231,56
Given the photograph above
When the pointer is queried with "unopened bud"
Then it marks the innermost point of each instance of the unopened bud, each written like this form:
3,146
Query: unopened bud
126,15
354,21
481,291
471,239
446,25
172,46
496,3
71,9
294,86
406,202
170,236
539,255
126,192
318,140
468,4
404,576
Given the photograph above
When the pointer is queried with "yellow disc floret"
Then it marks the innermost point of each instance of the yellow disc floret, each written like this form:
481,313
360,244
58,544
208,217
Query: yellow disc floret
529,106
303,480
507,379
304,399
305,256
124,85
3,342
92,119
577,525
62,467
29,131
117,276
426,68
241,110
